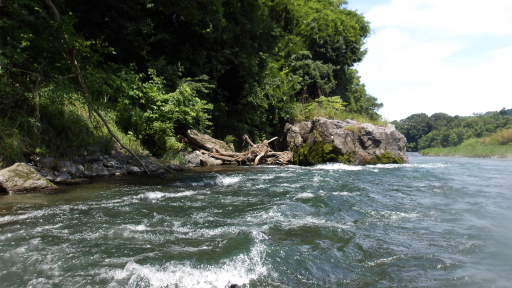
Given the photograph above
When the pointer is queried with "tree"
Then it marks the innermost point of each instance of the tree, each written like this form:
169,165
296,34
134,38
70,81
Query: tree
414,128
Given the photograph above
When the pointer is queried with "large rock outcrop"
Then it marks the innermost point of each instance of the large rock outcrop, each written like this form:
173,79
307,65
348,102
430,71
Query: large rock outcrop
345,141
207,143
21,178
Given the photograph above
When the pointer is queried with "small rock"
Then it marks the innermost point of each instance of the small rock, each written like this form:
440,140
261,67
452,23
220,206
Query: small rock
132,170
175,167
47,162
62,177
71,168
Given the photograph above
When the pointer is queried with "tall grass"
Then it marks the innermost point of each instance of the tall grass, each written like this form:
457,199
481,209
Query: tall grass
331,108
64,130
497,145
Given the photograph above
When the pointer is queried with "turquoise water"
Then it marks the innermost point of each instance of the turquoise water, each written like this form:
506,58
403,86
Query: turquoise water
436,222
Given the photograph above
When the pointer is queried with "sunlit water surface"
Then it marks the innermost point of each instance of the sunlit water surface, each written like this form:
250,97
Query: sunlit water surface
436,222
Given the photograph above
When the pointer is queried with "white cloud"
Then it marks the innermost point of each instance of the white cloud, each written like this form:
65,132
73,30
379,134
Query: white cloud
448,16
395,55
439,56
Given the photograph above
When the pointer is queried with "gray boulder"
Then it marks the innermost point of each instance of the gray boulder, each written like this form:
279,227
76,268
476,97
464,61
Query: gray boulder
74,170
207,143
96,169
360,144
21,178
197,159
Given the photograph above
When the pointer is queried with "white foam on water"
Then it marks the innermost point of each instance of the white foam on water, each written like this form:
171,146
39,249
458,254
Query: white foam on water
400,215
223,180
427,165
216,233
156,195
275,217
152,195
265,177
12,218
239,269
182,194
393,215
345,193
384,260
140,227
337,166
305,195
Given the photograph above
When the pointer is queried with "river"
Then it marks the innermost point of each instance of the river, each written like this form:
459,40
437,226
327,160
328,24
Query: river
436,222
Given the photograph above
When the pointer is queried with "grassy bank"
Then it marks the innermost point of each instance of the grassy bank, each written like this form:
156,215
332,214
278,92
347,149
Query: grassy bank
494,151
498,145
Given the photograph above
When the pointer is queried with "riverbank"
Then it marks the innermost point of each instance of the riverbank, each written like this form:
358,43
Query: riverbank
482,151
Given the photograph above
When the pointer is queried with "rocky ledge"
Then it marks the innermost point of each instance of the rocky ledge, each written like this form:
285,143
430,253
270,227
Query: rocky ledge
322,140
44,172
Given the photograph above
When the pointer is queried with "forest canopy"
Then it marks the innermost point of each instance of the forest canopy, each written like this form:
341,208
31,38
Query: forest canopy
156,68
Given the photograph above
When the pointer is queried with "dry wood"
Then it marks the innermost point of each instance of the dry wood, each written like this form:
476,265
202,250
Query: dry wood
255,154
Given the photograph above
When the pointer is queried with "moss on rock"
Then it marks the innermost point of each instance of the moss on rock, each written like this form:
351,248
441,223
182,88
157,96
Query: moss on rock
318,153
386,158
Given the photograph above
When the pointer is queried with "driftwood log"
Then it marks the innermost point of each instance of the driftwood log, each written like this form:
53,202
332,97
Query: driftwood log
257,154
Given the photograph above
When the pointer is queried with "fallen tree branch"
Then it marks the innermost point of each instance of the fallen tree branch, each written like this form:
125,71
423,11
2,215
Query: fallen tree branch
98,113
255,154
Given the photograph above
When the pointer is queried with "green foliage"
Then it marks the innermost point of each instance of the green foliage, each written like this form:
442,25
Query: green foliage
157,68
174,157
386,158
11,142
442,130
230,139
316,78
504,137
413,128
354,129
358,100
471,149
331,108
318,153
153,115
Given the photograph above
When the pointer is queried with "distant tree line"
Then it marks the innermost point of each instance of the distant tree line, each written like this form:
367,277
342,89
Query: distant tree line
442,130
156,68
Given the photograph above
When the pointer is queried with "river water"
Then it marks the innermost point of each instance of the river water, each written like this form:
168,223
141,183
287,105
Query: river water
436,222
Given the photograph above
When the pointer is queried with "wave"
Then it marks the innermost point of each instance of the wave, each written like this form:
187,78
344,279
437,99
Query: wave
155,195
240,269
337,166
223,180
305,195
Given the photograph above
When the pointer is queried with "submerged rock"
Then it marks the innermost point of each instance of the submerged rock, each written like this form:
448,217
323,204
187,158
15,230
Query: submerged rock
20,178
323,140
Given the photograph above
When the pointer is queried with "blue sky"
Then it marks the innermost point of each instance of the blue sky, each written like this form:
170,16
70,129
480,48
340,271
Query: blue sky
428,56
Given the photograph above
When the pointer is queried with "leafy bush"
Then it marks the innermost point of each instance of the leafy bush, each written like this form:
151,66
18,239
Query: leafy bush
154,116
328,107
504,137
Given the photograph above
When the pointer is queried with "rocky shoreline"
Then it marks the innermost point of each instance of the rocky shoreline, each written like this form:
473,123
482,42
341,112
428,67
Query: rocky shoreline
311,142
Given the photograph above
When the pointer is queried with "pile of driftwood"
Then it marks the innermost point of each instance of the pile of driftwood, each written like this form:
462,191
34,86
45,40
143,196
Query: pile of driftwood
257,154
